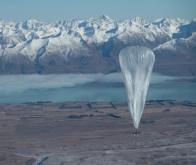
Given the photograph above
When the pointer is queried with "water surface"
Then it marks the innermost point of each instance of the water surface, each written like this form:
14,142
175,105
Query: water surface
89,87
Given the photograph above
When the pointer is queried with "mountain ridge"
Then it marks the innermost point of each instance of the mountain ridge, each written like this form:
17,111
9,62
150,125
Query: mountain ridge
88,46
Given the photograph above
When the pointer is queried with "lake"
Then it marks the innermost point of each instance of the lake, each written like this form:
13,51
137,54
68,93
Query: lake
89,87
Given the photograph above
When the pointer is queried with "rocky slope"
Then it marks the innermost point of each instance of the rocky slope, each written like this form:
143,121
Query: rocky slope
89,46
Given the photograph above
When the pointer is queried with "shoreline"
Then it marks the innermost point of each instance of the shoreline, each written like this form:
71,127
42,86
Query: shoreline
184,102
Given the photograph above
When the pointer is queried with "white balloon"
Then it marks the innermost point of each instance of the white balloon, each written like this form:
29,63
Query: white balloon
136,64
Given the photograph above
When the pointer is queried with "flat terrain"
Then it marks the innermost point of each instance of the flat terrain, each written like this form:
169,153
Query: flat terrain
97,134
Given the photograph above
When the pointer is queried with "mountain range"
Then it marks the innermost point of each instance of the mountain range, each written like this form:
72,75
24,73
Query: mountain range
93,45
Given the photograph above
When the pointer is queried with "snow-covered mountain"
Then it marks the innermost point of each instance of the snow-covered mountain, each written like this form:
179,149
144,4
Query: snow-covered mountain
90,45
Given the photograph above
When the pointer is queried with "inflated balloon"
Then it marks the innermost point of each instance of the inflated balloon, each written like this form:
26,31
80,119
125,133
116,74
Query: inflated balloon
136,64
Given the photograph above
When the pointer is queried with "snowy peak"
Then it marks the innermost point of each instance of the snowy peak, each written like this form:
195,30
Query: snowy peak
168,25
52,44
104,18
96,30
186,30
138,20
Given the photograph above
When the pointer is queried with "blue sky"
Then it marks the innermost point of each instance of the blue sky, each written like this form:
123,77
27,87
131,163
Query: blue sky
54,10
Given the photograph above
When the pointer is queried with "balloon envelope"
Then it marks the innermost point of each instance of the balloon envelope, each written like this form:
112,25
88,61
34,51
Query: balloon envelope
136,64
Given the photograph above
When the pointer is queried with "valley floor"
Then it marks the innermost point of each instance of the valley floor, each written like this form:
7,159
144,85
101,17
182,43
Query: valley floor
73,133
